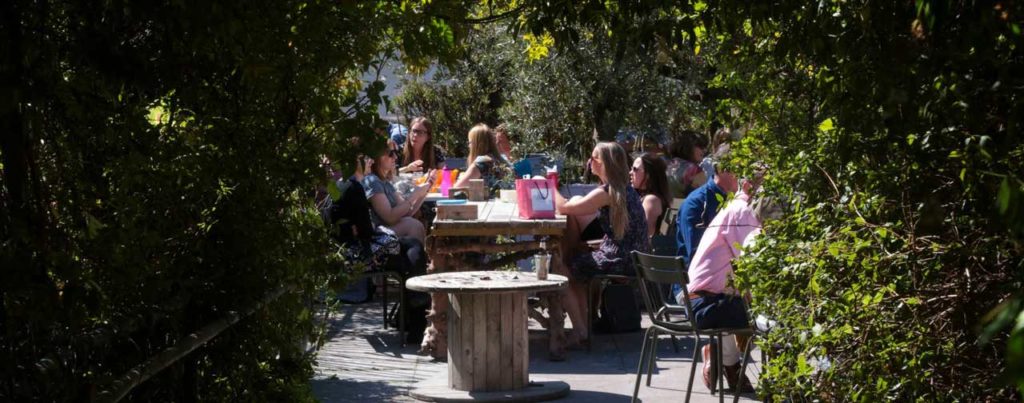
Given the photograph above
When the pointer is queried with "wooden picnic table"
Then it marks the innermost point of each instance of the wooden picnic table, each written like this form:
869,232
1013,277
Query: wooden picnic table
455,245
488,349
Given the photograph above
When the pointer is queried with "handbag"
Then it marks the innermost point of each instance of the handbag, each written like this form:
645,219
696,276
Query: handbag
536,198
619,310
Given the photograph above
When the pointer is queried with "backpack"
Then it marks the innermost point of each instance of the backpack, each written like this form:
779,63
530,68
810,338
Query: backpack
348,221
619,311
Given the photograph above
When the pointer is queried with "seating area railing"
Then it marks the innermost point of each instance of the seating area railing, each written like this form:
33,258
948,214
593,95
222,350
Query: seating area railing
124,384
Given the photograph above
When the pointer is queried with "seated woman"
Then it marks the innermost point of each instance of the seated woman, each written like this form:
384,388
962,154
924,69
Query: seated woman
485,159
684,171
504,140
648,178
389,208
419,153
621,222
375,248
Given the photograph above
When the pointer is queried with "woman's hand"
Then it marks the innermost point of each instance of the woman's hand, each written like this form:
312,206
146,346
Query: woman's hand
415,166
363,164
422,190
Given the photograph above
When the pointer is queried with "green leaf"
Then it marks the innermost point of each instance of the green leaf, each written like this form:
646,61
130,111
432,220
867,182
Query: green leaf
93,225
826,125
802,366
332,189
1003,197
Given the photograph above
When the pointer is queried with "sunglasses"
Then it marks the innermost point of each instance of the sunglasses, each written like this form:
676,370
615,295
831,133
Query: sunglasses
394,153
634,169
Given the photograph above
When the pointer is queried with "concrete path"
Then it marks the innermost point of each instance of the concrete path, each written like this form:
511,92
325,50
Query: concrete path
363,363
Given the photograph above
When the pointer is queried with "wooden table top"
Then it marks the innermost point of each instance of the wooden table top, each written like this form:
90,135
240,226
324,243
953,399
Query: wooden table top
499,218
485,282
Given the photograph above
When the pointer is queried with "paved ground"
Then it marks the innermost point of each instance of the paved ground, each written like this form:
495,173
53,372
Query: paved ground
363,363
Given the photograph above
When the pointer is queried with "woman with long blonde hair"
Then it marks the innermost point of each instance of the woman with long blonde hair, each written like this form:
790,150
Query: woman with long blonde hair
613,211
484,158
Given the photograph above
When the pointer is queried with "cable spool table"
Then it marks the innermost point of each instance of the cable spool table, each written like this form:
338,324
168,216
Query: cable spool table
488,344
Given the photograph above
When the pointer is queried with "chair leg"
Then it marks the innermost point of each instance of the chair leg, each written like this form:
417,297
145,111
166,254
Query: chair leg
675,343
693,368
640,365
403,306
743,369
384,301
652,355
720,378
591,314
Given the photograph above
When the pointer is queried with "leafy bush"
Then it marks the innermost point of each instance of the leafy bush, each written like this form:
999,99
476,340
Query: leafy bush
893,130
157,164
892,142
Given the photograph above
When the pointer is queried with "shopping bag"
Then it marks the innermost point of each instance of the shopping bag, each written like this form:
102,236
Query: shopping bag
536,198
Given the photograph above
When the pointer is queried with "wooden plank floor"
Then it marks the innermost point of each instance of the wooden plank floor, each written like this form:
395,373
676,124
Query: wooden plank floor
363,363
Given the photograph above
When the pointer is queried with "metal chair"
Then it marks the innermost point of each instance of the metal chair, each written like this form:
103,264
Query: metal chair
670,218
653,271
387,311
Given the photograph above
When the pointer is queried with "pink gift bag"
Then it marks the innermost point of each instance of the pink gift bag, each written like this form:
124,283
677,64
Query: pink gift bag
536,198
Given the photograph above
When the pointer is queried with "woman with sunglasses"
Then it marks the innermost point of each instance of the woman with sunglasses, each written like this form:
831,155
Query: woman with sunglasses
420,152
648,177
620,221
388,207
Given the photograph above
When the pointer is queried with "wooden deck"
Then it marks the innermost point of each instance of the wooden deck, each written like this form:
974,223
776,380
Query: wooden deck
362,363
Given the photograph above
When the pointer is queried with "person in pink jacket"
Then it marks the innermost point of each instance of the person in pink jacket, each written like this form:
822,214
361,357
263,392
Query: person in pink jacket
715,304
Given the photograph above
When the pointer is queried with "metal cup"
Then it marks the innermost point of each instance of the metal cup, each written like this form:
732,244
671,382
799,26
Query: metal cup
541,264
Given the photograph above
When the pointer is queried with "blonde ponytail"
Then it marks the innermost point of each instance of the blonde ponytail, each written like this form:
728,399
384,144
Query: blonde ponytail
613,156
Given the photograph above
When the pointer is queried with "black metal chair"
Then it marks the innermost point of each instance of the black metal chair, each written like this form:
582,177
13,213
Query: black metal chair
652,272
399,308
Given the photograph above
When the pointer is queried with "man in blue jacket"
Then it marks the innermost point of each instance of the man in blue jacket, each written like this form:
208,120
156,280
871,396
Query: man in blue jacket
698,210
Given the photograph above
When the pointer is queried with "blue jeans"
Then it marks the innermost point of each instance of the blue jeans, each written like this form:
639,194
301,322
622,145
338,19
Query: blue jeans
718,311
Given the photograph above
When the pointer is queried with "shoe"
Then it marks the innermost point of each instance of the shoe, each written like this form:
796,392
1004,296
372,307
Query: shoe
733,376
709,372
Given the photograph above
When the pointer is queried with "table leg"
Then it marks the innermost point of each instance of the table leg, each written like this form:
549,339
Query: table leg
435,338
488,353
556,315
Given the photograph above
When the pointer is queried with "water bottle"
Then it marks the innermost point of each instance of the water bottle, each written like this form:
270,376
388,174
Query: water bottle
446,181
553,175
542,262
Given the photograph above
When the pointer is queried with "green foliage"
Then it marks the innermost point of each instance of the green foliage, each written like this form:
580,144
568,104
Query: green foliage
894,132
463,93
893,142
554,103
158,163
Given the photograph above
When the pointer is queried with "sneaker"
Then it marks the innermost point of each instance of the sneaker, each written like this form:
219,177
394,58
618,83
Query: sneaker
733,376
710,359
